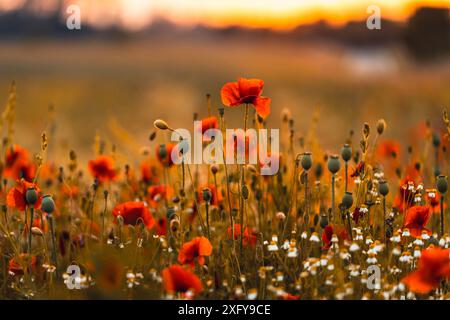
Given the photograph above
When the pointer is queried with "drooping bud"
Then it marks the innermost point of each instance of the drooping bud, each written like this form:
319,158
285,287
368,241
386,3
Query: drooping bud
161,124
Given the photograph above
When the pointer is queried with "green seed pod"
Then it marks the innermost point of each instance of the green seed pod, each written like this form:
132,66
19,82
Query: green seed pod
31,196
347,200
323,221
171,213
383,188
333,164
162,152
207,195
442,184
436,140
346,152
306,161
48,205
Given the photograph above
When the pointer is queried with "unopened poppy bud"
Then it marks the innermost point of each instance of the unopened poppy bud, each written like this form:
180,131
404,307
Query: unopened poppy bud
381,126
161,124
174,225
36,231
207,195
333,164
346,152
347,200
442,184
281,216
48,205
214,168
152,136
245,192
306,161
383,188
31,196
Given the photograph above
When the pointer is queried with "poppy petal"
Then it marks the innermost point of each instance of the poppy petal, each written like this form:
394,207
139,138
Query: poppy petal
262,106
417,283
250,87
230,94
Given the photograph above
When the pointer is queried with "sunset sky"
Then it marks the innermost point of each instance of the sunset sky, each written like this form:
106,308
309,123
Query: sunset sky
277,14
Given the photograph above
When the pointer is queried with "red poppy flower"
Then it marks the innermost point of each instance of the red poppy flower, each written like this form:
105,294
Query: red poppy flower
246,91
357,214
328,232
133,211
216,196
209,123
358,170
178,279
389,149
16,268
433,266
148,173
161,226
155,193
199,248
103,169
434,202
248,238
416,219
167,160
405,197
16,196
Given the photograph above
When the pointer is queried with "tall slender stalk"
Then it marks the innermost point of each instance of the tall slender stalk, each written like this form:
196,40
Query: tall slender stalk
29,230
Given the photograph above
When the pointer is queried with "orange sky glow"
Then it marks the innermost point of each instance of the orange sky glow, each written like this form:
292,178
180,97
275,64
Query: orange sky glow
276,14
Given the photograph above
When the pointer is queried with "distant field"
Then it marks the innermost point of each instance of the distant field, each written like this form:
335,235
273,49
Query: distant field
91,83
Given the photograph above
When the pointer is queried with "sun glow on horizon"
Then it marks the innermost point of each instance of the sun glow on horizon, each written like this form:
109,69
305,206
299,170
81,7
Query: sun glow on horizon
275,14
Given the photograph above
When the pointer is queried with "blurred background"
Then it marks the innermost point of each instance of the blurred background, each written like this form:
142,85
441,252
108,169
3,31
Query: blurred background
137,60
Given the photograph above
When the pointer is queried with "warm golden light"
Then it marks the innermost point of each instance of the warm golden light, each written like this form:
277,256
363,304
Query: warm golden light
277,14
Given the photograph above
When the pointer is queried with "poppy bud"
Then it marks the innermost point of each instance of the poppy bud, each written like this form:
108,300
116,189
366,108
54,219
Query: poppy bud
442,184
152,136
174,225
347,200
251,168
333,164
346,152
245,192
221,111
383,188
161,124
306,161
31,196
48,205
214,168
281,216
381,126
207,195
36,231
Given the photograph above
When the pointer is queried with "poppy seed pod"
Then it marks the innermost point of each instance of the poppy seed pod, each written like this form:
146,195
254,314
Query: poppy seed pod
323,221
162,152
347,200
442,184
383,188
333,164
436,140
171,213
381,126
346,152
221,111
306,161
207,195
31,196
161,124
48,205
